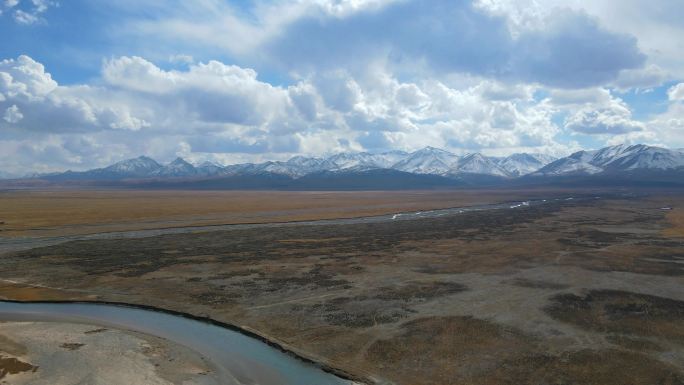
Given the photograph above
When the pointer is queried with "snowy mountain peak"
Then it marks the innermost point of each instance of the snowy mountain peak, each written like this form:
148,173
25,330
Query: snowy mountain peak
208,168
140,166
179,162
429,150
307,162
479,164
207,163
365,160
178,168
429,160
616,159
524,163
347,160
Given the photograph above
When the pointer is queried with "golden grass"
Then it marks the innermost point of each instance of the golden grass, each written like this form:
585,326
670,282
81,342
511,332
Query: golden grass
676,219
21,292
52,213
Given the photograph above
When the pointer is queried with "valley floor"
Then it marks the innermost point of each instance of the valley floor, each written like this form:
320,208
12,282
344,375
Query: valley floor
581,291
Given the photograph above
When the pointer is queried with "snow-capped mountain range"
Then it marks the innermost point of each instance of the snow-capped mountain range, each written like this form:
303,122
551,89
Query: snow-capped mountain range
428,161
615,160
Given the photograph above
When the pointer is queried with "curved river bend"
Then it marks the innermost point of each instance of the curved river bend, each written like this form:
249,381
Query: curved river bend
238,358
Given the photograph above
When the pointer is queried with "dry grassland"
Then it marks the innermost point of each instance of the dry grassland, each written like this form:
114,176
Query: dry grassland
51,213
584,291
676,219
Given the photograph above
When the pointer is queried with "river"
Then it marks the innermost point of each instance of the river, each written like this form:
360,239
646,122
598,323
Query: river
239,359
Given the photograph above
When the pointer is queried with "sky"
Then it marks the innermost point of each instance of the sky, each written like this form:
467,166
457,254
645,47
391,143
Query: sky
85,83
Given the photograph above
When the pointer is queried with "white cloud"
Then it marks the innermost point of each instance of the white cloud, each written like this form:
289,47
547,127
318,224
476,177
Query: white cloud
210,92
492,90
48,107
182,59
594,111
23,17
676,92
642,78
41,6
653,26
613,119
492,77
444,38
25,78
13,115
28,12
668,127
224,112
580,97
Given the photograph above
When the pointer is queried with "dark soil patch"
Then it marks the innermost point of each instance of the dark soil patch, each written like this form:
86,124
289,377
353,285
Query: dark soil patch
622,312
11,365
446,350
586,367
71,346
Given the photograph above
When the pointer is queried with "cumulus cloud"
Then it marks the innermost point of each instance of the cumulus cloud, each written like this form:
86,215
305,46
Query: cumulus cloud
594,111
616,119
642,78
486,75
652,26
587,96
182,59
492,90
668,127
48,107
676,92
566,48
28,12
577,52
25,78
226,113
13,115
213,91
453,37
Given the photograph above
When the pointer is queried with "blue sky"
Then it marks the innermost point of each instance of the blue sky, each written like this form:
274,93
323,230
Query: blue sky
87,83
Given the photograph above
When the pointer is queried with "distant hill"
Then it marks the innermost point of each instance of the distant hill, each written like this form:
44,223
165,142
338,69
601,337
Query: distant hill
426,168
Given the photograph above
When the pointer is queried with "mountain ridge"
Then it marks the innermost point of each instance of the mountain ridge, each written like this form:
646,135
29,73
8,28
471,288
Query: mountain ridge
443,168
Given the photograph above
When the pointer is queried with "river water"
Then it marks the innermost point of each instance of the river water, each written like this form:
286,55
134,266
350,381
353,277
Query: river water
238,358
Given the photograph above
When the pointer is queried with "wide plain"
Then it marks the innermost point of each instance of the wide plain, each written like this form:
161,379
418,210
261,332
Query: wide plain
65,212
588,290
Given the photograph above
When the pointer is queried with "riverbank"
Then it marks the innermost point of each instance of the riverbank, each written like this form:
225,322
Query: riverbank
57,353
238,355
521,295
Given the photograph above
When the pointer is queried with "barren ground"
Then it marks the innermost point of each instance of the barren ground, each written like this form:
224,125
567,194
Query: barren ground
50,353
574,292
